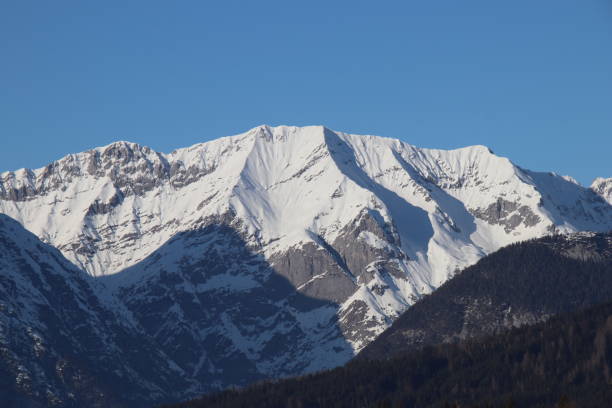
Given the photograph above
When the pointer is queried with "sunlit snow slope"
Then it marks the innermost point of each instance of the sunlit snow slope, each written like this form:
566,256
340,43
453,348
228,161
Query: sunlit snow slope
355,227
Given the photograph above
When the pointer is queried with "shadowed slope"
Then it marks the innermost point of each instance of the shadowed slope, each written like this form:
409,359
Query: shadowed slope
224,315
62,343
568,358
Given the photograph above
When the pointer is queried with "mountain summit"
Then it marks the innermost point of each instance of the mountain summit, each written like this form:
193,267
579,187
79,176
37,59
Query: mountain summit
284,249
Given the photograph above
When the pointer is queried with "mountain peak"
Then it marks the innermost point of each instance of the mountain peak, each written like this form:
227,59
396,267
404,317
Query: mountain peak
347,231
480,148
121,145
603,187
126,151
286,183
281,132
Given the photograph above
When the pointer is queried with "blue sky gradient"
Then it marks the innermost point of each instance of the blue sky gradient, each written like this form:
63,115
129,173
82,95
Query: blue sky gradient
530,79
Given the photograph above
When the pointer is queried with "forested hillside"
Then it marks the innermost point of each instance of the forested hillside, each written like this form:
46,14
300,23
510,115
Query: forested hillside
520,284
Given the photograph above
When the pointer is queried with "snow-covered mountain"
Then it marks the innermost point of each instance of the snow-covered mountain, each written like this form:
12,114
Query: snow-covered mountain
285,249
521,284
603,187
64,343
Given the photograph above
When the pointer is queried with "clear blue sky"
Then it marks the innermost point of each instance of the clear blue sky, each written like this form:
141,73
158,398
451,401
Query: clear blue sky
531,79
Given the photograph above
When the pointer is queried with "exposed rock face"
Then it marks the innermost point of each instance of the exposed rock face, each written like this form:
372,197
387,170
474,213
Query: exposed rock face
520,284
508,214
223,314
295,247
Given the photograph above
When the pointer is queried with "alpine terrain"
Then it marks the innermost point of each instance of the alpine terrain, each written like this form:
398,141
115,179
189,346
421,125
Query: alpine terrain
276,252
64,341
521,284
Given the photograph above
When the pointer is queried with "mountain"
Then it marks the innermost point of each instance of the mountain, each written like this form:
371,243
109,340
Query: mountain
523,283
284,250
62,343
564,362
603,187
224,314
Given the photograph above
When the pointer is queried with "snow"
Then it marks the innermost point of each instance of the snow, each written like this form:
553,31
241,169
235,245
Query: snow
603,187
289,184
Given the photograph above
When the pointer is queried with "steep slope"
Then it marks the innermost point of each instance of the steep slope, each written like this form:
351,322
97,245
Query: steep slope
564,362
603,187
61,344
359,226
222,313
520,284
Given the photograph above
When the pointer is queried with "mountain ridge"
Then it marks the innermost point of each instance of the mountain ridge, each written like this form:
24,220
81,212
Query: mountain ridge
521,284
364,225
65,342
